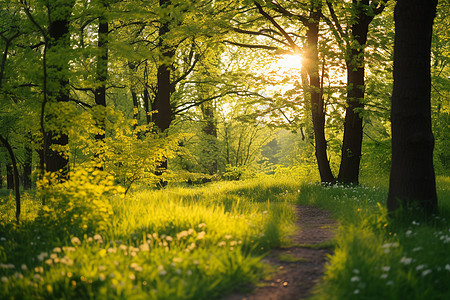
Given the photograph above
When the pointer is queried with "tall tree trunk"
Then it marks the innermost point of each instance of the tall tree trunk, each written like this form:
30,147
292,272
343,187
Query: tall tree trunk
353,123
135,109
163,116
100,90
56,160
210,130
147,106
15,175
412,179
317,104
102,71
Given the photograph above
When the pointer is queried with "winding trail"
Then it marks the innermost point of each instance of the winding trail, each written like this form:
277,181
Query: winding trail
301,265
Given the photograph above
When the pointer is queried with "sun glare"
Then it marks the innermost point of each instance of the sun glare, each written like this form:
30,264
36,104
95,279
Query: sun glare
290,62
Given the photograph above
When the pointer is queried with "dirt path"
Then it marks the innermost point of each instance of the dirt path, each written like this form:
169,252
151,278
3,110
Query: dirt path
301,265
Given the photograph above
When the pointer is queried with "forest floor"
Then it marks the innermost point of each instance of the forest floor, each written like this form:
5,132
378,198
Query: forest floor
300,265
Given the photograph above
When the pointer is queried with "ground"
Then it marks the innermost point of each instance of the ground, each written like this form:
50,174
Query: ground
301,265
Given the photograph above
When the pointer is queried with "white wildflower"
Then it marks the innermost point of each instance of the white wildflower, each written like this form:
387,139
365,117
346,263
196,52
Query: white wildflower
144,247
42,256
420,267
201,235
386,268
76,241
406,260
355,279
161,270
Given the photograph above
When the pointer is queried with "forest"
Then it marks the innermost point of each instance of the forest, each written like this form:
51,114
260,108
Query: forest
218,149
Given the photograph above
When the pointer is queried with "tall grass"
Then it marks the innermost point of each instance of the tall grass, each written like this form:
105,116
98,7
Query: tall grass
178,243
204,242
380,258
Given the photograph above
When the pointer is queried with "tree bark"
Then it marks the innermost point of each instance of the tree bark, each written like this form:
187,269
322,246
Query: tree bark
163,115
9,176
210,147
102,71
27,168
135,109
311,64
15,175
353,123
412,178
147,106
59,14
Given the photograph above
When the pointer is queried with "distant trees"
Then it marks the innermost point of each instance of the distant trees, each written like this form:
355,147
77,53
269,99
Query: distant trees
412,179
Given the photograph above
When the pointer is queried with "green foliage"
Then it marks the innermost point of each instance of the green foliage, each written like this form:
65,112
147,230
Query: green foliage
80,204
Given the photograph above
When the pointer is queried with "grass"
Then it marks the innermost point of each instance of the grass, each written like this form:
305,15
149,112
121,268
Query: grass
204,242
376,258
178,243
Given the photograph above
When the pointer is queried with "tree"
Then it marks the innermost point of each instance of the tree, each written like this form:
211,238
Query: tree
352,40
412,178
54,156
5,142
280,35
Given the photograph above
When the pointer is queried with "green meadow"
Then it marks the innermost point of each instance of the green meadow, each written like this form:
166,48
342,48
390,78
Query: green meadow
205,242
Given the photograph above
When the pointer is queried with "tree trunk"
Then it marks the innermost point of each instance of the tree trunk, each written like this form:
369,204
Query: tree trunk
412,179
147,107
9,176
102,71
135,109
317,105
163,116
56,160
27,168
210,147
15,175
353,123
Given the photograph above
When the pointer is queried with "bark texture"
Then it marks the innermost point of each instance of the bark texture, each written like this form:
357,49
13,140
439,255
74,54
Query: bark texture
412,178
317,104
56,160
353,123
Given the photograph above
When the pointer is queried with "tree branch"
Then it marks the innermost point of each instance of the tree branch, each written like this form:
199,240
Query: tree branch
291,42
